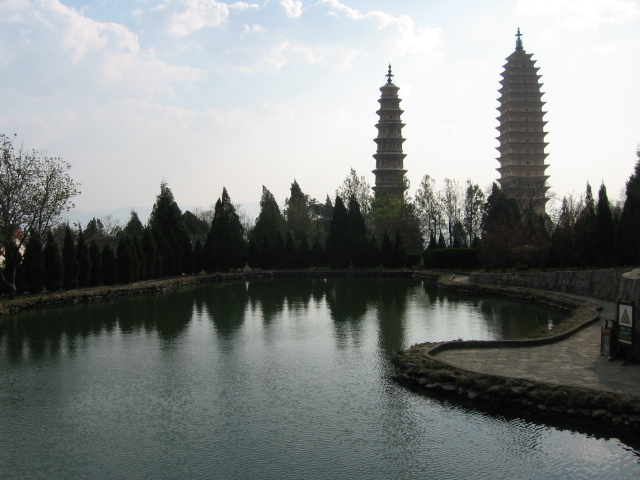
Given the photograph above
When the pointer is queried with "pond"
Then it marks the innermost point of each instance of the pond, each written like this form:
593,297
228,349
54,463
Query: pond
268,379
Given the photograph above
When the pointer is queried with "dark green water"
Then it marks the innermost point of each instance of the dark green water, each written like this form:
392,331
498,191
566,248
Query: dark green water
275,379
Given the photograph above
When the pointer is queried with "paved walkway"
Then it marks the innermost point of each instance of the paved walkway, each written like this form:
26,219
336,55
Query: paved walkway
575,361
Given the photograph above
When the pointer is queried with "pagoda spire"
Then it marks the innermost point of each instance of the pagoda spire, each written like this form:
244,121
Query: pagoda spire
519,47
389,75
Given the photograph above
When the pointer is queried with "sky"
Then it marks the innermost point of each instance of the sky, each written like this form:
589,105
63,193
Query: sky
207,94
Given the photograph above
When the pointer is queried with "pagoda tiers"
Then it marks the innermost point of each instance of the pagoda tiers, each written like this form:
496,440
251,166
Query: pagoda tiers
522,157
389,170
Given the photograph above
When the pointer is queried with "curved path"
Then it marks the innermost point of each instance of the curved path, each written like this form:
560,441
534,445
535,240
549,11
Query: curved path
575,361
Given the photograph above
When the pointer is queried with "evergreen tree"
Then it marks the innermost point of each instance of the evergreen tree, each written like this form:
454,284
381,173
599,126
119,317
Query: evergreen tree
109,265
135,261
386,251
441,243
399,254
603,231
585,232
358,234
54,268
318,258
198,257
34,265
124,259
305,258
500,210
297,213
189,259
152,255
373,253
170,233
290,255
96,264
225,245
324,220
70,261
630,219
338,247
134,227
194,225
136,243
563,236
84,261
254,254
94,229
267,255
270,220
278,252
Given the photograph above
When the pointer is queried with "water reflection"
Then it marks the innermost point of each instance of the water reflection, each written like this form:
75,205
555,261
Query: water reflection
350,303
225,305
48,332
278,379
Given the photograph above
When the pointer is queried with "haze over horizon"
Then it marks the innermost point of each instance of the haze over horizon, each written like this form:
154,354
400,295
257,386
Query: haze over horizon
205,94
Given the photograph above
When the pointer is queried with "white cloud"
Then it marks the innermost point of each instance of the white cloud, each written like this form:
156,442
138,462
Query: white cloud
410,40
76,50
252,29
273,59
187,16
607,48
578,14
292,7
244,6
282,111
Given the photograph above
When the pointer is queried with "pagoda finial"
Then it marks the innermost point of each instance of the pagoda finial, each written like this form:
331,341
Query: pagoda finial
389,75
519,47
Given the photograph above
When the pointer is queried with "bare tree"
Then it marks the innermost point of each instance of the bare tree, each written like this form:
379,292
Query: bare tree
34,190
428,208
473,203
451,198
354,185
531,195
111,226
246,220
207,215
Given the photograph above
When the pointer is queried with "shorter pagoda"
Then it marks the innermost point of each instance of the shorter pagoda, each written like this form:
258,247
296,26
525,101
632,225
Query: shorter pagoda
389,170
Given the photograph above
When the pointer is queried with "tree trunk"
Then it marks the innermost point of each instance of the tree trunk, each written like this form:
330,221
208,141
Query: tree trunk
9,285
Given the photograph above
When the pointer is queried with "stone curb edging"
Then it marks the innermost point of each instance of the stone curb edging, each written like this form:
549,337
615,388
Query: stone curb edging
163,285
420,369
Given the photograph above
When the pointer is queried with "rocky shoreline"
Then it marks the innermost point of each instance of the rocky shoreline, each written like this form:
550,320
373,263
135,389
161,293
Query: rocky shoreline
93,294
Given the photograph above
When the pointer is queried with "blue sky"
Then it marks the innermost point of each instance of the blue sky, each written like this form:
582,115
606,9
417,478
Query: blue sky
206,94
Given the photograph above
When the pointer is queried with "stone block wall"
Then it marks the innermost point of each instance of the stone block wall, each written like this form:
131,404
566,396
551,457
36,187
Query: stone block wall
605,284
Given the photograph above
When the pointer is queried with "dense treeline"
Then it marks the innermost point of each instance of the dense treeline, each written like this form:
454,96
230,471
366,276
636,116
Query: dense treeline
586,233
462,227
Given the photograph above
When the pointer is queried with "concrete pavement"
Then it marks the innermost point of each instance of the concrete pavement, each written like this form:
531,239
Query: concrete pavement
575,361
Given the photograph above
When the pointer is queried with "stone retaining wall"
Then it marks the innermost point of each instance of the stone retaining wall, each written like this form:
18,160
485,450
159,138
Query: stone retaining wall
606,284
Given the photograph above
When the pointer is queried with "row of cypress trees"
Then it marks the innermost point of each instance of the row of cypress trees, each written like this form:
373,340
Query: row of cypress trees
164,248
